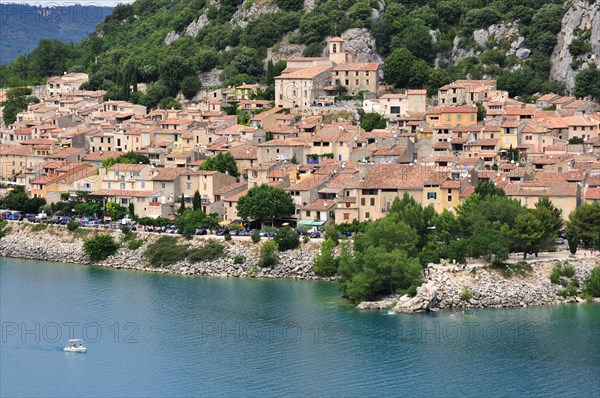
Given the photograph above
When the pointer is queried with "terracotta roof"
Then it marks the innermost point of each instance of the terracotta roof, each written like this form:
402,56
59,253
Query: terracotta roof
275,143
357,66
537,189
99,155
125,193
307,73
459,109
230,188
128,167
396,176
593,193
319,205
243,152
335,40
308,184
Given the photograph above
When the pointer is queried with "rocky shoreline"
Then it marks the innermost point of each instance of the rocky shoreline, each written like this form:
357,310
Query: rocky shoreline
444,286
56,244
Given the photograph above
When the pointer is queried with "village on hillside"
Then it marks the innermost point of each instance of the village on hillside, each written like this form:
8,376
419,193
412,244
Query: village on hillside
436,149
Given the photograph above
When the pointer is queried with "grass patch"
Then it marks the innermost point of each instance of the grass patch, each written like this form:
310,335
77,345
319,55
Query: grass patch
520,269
239,260
100,247
5,229
165,251
135,244
39,227
81,233
211,250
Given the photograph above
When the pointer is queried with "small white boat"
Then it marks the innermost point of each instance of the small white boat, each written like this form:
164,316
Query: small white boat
75,345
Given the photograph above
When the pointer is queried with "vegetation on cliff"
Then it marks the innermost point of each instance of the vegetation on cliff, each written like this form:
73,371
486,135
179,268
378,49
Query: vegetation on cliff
130,46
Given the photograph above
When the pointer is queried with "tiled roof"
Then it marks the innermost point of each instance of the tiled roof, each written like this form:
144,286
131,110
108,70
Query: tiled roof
306,73
593,194
124,193
395,176
359,66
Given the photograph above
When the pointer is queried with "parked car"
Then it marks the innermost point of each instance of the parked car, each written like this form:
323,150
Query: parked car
65,220
16,216
92,224
243,232
201,231
222,231
55,219
5,214
31,218
559,241
346,233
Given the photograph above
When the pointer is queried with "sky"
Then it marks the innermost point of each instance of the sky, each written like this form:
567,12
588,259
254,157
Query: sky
104,3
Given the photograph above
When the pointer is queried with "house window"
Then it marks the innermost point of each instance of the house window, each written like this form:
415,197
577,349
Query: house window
346,216
188,185
357,82
431,195
308,214
458,117
109,185
372,201
367,74
367,215
449,198
367,81
347,82
362,200
122,185
162,185
143,184
448,117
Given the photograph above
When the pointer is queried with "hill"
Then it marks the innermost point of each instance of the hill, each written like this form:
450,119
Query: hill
424,43
24,25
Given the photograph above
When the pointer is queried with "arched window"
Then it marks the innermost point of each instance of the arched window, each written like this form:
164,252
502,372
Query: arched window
334,47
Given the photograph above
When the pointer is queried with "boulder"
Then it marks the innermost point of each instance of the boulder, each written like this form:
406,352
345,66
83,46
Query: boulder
523,53
481,37
424,300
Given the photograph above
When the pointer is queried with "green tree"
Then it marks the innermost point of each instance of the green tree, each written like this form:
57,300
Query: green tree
190,86
586,221
115,211
287,239
371,121
398,67
488,188
481,112
265,203
181,209
551,218
223,162
325,263
196,201
100,247
526,235
587,83
16,101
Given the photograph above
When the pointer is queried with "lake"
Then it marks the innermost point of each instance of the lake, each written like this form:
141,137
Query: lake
164,335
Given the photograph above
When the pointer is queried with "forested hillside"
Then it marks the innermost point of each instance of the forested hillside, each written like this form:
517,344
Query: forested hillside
424,43
22,26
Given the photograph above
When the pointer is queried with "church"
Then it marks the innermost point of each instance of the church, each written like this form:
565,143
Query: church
308,81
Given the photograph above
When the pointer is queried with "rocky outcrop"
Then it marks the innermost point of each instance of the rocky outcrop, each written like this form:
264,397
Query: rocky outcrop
582,16
171,37
446,286
194,27
251,9
360,43
424,300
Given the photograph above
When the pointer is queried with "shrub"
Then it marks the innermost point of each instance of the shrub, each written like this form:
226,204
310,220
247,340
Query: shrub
287,239
559,271
165,251
592,284
135,244
268,254
39,227
4,228
332,233
100,247
466,294
325,264
72,225
211,250
255,237
227,236
239,260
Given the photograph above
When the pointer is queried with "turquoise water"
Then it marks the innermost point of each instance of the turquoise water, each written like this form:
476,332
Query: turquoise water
161,335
